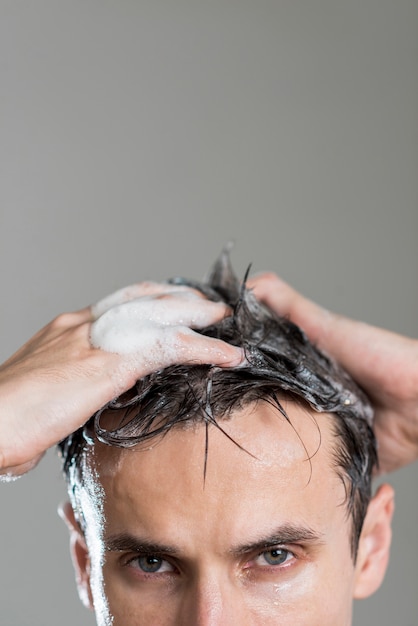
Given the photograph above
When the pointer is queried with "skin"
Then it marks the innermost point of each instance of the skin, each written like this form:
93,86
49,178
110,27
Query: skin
384,363
264,540
57,380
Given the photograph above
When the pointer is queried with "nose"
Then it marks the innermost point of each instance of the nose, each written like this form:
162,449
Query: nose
214,602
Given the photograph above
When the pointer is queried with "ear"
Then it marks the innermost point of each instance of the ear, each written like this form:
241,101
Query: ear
374,544
79,554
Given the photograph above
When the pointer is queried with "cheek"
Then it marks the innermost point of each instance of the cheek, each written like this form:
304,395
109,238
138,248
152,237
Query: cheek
315,597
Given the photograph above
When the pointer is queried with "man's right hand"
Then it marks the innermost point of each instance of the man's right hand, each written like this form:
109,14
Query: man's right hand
57,380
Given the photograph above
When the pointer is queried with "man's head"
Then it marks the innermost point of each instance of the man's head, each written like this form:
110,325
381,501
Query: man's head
230,496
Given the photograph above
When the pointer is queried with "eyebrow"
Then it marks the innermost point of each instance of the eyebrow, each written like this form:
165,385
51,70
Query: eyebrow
125,542
284,534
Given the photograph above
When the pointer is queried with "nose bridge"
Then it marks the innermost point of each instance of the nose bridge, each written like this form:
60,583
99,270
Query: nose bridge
214,600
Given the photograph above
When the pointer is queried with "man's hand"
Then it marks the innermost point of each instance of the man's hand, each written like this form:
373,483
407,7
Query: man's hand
57,380
383,363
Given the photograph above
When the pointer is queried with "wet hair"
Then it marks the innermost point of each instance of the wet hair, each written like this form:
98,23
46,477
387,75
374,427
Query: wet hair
280,362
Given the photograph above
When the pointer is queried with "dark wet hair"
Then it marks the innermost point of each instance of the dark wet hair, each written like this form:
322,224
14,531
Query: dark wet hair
280,361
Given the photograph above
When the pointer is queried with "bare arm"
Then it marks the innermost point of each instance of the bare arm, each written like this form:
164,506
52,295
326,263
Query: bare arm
57,380
385,364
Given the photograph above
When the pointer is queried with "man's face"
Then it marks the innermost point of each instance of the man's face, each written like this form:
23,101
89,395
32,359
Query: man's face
263,539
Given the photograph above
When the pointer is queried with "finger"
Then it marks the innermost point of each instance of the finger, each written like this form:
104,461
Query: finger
171,345
122,329
194,348
135,291
287,302
273,291
186,309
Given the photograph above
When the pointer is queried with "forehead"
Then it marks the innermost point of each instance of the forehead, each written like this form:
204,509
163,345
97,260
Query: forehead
277,471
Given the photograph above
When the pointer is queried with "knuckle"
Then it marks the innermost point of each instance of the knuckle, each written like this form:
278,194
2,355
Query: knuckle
181,333
148,286
64,320
268,277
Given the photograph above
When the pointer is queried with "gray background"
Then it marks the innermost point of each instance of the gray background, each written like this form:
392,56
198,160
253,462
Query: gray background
137,137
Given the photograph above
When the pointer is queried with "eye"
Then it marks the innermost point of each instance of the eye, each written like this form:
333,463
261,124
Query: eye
275,556
151,564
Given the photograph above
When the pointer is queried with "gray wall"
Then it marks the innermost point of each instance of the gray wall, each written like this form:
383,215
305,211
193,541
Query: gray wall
139,136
